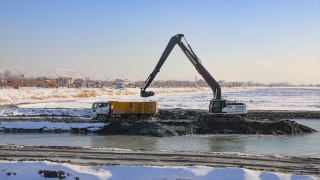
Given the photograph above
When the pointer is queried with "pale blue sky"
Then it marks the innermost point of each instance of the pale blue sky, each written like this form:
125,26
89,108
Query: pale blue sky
265,41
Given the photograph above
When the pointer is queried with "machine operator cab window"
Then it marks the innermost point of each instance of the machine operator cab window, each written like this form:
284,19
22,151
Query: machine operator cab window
216,106
98,105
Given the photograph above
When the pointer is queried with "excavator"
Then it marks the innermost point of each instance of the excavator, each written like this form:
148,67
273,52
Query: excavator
219,109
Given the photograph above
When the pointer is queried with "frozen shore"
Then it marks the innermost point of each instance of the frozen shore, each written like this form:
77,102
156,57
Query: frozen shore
75,162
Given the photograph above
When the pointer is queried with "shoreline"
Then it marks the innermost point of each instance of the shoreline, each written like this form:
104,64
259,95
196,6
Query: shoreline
168,122
172,113
125,157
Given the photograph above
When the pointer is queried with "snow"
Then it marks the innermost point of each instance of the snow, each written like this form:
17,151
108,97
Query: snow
30,170
44,112
69,104
51,125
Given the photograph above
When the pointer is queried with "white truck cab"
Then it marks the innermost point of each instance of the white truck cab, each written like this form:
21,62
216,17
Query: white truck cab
100,110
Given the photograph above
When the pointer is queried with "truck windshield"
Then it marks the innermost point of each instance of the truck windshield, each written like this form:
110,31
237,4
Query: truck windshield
94,105
97,105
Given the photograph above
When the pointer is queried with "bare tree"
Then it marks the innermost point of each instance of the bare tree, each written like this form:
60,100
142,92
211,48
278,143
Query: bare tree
7,74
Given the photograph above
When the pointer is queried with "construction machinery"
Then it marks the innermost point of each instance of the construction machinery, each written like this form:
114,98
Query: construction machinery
218,108
103,110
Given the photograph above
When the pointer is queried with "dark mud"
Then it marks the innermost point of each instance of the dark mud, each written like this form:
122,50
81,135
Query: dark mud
177,122
52,174
56,174
9,146
172,128
256,122
252,114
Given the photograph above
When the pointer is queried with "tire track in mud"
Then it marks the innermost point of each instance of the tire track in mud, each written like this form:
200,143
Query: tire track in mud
89,156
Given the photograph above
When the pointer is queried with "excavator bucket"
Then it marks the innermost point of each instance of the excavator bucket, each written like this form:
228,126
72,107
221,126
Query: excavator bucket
146,93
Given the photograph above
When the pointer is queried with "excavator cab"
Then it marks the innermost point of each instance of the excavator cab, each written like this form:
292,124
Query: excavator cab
216,106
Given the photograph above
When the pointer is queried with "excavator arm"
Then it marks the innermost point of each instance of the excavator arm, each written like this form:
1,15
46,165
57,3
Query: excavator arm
173,41
193,59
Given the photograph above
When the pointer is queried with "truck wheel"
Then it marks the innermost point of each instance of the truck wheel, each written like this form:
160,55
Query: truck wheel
101,117
144,117
133,118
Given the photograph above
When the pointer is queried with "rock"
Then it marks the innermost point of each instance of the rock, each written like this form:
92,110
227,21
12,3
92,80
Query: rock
52,174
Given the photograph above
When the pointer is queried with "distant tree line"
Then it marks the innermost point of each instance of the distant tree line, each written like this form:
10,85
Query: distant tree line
16,81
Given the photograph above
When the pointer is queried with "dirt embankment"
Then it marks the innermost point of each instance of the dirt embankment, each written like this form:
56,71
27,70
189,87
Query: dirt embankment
178,128
254,124
252,114
177,122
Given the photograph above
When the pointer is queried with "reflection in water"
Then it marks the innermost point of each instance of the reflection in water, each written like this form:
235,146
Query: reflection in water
179,143
227,143
45,139
202,143
183,143
124,142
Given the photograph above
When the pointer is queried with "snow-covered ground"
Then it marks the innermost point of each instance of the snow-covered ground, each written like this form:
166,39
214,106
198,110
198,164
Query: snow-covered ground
274,98
32,170
50,126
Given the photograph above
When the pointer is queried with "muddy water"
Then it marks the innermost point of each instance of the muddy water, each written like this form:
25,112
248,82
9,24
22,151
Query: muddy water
293,145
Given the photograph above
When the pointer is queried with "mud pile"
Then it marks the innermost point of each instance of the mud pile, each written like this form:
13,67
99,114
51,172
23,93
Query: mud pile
252,114
172,128
283,127
176,122
159,129
165,114
265,114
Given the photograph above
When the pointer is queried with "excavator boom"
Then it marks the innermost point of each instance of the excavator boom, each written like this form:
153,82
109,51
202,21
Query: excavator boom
193,59
219,108
173,41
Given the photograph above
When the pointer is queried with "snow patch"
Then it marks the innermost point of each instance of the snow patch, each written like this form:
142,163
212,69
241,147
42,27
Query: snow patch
46,125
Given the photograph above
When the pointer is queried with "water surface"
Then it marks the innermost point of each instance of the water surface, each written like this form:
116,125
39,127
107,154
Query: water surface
290,145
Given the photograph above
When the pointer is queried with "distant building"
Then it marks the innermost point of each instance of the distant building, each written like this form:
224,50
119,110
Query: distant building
64,81
78,81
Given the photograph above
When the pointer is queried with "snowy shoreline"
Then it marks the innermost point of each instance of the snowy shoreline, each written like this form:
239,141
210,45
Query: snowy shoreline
44,169
256,98
61,162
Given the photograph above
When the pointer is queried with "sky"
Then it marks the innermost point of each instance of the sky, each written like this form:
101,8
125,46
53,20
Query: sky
262,41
